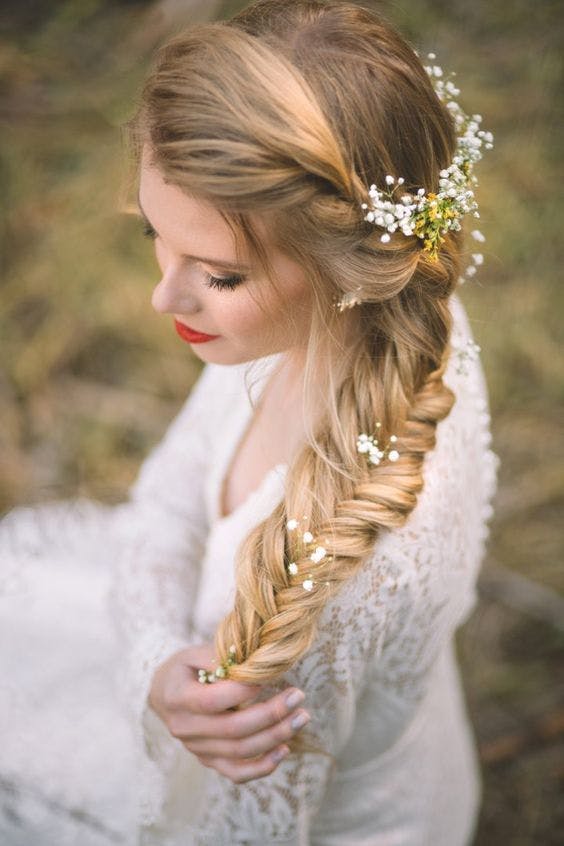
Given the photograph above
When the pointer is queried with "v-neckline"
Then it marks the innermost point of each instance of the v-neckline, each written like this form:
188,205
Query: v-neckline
239,435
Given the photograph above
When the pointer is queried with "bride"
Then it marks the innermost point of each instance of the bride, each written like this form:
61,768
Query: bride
258,645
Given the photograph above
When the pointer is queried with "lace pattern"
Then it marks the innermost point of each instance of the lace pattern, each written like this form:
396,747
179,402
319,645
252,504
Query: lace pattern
382,634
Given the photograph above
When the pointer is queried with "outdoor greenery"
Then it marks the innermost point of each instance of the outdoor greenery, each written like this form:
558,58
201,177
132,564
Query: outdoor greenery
90,375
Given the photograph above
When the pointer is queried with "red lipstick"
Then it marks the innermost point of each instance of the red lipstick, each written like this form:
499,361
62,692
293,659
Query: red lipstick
190,335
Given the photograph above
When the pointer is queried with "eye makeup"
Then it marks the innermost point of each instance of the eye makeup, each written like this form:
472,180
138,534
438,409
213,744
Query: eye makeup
222,283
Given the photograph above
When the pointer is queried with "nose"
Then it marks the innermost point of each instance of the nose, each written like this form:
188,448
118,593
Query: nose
171,297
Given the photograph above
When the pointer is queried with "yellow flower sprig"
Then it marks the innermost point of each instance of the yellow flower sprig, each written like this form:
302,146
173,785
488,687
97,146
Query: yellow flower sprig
430,216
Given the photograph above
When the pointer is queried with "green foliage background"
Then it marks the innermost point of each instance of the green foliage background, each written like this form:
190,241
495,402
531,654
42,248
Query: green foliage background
90,376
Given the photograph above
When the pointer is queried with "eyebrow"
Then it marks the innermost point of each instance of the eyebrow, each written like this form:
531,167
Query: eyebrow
214,262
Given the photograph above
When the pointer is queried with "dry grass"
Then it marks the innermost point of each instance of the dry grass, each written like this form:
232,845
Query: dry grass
90,375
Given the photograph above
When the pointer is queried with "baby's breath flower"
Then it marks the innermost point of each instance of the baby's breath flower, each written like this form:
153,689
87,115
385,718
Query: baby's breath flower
318,553
429,216
369,444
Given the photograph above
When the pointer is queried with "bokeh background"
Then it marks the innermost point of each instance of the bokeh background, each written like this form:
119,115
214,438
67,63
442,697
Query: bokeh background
90,375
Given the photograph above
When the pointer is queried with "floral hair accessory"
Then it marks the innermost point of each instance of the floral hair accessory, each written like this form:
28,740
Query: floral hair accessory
306,546
370,444
429,216
207,677
349,299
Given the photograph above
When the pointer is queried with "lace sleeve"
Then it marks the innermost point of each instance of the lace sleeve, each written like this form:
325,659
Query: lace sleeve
160,535
384,630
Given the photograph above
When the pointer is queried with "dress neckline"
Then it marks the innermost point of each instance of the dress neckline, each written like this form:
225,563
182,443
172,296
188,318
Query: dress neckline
238,434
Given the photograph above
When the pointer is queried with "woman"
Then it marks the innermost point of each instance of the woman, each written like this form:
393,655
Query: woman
314,519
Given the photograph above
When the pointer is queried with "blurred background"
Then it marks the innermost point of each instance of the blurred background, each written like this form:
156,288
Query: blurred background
90,375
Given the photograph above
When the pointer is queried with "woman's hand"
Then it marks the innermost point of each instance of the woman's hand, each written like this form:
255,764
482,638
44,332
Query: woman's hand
242,744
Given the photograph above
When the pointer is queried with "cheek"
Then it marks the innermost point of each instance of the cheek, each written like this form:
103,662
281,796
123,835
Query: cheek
240,316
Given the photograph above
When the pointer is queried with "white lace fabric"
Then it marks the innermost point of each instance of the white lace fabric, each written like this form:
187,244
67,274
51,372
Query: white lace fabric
380,678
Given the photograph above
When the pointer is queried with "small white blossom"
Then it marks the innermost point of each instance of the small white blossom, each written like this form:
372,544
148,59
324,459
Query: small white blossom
308,537
307,584
419,213
293,568
318,554
292,524
477,235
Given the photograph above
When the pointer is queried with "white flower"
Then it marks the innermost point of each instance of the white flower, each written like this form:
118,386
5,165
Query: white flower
478,258
455,197
292,524
307,584
293,568
477,235
318,554
308,537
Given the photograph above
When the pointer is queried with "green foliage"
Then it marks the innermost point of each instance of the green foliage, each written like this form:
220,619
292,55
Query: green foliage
90,375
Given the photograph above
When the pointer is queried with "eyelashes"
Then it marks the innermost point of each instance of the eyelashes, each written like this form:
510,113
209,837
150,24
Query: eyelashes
224,282
148,230
220,282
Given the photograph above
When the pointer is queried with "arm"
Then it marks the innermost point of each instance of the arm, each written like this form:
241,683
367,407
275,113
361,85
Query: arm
159,535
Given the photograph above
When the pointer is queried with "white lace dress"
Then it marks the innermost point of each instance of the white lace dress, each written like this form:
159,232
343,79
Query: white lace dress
95,598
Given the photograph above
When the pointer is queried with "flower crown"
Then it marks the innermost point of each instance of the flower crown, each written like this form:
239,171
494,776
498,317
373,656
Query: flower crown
431,216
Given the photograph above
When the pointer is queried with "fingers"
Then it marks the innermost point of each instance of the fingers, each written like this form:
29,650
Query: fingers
210,698
257,744
242,771
237,724
218,697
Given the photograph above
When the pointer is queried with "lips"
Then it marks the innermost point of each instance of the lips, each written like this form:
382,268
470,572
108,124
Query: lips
191,335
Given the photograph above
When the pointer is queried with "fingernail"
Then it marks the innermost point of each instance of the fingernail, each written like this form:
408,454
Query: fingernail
294,698
278,754
300,720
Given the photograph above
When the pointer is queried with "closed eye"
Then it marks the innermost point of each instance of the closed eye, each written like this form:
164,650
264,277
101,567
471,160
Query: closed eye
220,282
224,282
148,230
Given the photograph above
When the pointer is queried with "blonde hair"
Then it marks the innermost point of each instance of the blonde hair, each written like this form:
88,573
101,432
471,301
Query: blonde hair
291,109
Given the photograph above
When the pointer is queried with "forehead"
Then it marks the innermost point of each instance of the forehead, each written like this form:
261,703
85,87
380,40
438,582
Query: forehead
168,205
194,227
